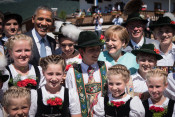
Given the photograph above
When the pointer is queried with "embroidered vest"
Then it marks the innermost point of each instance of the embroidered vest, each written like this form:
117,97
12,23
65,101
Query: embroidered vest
148,113
86,89
45,110
111,111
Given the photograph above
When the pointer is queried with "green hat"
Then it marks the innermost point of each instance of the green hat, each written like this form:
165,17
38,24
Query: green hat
162,21
88,39
134,17
148,48
3,78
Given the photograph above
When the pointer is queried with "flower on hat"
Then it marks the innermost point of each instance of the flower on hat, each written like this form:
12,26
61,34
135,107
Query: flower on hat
157,51
158,111
172,22
102,38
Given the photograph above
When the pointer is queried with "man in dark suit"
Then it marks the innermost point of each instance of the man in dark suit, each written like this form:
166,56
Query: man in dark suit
135,25
43,45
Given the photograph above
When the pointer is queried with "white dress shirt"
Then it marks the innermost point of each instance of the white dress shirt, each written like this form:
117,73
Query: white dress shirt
168,58
138,44
37,39
139,83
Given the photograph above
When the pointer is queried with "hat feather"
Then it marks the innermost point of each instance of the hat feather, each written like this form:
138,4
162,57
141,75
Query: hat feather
71,31
170,15
3,61
133,6
68,30
58,24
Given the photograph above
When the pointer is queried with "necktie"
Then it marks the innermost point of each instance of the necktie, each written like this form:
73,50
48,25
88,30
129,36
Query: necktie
42,48
136,47
90,72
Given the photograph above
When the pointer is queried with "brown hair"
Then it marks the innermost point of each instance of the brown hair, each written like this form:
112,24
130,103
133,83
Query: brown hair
159,73
52,59
119,69
16,92
120,31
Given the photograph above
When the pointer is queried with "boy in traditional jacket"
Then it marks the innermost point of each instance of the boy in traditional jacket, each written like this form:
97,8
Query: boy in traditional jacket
89,77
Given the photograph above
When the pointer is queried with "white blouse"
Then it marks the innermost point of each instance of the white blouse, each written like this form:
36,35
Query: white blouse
165,104
136,106
74,105
31,74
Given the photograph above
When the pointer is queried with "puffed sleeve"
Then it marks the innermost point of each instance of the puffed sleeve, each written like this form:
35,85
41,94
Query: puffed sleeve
173,115
99,108
5,84
74,104
33,107
69,82
42,78
169,92
136,108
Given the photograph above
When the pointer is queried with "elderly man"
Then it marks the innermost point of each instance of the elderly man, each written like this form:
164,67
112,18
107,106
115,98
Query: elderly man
43,45
135,25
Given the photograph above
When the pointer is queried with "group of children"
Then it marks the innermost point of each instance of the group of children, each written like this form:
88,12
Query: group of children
85,94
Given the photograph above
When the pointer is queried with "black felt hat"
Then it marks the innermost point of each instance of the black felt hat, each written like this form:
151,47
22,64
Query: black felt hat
135,17
88,39
9,16
163,21
148,48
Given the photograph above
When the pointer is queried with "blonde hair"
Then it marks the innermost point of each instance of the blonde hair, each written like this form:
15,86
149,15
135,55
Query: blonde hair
10,43
119,69
120,31
16,92
159,73
52,59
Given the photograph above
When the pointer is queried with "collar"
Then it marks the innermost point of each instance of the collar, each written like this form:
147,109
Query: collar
5,38
137,76
125,99
170,51
36,35
138,44
85,66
